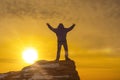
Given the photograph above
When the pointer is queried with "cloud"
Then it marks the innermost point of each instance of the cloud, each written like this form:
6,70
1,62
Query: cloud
97,20
36,9
65,9
5,60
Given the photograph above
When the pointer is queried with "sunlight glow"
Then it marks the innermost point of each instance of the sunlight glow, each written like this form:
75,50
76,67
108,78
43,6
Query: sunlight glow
30,55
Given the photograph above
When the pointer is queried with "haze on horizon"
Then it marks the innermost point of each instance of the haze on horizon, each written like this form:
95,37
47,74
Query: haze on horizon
93,44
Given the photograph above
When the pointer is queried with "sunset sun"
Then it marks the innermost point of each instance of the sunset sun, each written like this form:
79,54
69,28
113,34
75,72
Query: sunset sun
30,55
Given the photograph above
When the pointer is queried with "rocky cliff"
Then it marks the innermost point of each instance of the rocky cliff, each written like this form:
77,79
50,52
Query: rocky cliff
45,70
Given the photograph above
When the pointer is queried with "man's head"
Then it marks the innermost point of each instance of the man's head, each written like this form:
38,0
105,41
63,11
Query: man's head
60,26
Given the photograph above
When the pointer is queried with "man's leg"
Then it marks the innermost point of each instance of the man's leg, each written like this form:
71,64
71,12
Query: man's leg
58,51
66,50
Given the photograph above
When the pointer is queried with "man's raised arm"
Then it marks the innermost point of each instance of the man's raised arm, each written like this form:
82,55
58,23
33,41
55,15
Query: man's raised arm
50,27
70,28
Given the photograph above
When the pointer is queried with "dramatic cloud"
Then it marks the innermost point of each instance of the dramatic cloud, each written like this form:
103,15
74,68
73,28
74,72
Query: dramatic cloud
97,20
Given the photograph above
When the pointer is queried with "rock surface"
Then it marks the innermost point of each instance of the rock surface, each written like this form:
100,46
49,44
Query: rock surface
45,70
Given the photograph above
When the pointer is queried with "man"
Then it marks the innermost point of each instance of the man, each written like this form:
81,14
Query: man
61,34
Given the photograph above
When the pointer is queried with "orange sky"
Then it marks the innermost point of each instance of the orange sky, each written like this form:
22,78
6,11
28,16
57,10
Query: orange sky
93,43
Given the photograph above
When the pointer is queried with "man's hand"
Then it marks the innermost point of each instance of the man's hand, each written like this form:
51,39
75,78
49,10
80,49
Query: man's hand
70,28
73,24
47,23
50,27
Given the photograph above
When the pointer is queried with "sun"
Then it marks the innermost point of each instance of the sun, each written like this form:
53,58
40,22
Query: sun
30,55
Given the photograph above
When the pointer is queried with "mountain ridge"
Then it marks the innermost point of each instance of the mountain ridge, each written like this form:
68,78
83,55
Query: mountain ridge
45,70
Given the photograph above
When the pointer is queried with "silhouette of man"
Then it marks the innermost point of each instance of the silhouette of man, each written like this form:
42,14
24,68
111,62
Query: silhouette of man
61,34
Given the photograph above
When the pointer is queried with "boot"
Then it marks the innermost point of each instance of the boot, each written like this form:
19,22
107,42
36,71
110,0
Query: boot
67,59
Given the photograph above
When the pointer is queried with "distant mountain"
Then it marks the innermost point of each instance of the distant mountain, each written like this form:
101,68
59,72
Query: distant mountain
45,70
